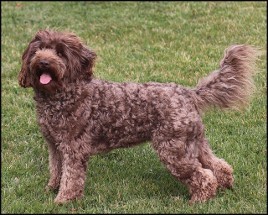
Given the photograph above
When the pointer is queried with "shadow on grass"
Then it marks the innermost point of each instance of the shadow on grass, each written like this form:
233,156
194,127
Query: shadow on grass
142,176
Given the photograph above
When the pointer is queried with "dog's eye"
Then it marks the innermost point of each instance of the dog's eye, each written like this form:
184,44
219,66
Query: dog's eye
42,46
59,50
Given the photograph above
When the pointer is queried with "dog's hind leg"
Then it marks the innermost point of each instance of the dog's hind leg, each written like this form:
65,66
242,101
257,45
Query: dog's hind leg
221,169
181,160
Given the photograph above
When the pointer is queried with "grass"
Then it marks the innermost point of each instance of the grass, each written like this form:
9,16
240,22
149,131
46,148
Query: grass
136,41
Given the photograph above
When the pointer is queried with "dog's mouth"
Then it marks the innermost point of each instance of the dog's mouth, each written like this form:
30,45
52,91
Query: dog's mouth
47,71
45,78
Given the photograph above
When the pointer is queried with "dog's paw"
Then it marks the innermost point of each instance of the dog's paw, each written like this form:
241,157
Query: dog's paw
62,199
224,174
203,186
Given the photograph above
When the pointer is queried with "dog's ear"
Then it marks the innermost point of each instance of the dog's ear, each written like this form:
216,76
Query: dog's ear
87,59
24,75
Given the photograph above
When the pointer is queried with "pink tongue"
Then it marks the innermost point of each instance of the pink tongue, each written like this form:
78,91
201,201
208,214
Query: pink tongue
45,78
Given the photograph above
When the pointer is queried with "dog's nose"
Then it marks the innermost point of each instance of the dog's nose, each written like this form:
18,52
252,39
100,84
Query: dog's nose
44,63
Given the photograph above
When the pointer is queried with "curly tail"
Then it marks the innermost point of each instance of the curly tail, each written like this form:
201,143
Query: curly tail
232,85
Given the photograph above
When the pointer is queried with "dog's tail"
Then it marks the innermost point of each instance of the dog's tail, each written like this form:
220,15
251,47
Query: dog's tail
232,85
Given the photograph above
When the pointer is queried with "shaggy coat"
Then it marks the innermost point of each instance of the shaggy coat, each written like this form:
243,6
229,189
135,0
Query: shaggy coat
80,115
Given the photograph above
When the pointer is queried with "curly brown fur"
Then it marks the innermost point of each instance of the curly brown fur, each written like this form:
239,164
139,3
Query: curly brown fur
80,115
231,85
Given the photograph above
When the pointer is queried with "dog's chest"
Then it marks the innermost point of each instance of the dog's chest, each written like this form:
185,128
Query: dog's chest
55,119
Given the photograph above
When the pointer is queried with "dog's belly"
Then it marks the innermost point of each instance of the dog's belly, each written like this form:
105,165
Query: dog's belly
123,131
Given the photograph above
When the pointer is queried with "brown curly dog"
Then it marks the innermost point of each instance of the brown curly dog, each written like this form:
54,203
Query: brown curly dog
80,115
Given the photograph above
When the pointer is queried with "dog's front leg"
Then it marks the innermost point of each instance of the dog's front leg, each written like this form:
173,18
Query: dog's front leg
73,176
55,166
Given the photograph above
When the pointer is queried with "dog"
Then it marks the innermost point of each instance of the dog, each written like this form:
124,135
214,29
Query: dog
80,115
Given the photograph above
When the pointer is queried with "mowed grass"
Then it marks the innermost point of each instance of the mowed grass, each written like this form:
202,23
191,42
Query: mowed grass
136,41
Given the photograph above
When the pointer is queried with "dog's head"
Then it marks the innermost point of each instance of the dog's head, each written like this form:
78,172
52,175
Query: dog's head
53,59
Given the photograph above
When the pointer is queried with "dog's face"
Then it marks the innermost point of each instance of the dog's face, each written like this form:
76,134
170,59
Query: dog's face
54,59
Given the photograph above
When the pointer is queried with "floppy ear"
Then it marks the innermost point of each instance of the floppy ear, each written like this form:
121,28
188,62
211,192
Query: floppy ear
24,75
87,59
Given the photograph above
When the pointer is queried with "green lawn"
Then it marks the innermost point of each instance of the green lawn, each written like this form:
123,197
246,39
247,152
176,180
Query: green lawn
135,41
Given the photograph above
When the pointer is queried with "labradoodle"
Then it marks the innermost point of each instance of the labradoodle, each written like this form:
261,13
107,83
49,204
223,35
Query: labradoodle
80,115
